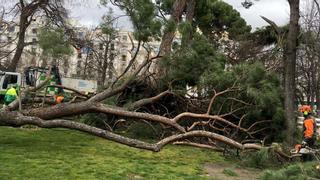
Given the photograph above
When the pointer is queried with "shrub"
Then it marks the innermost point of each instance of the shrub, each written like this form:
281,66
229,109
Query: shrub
96,119
295,171
260,159
256,86
142,130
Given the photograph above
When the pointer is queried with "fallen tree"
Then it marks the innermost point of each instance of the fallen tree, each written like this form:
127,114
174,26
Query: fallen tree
18,119
214,126
222,112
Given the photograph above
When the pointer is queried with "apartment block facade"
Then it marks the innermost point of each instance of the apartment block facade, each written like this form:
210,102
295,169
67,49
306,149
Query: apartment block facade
86,61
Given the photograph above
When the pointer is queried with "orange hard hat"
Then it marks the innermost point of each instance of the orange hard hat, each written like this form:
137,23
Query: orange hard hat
305,108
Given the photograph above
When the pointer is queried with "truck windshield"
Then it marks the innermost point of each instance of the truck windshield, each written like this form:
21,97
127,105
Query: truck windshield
9,79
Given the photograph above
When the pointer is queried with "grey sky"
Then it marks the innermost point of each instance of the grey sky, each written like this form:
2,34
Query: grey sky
91,14
276,10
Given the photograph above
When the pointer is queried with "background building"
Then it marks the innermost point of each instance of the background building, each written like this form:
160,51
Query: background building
87,60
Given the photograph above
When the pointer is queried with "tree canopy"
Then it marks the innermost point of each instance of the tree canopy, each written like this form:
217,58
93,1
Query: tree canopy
54,43
213,17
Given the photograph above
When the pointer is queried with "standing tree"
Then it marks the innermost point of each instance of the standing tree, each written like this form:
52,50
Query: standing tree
290,70
28,12
54,44
290,55
107,53
308,56
177,9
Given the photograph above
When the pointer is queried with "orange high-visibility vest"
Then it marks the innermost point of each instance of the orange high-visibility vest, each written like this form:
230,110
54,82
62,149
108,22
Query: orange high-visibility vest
308,128
59,99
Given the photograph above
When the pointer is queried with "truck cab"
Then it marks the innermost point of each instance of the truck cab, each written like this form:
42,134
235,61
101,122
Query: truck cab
7,79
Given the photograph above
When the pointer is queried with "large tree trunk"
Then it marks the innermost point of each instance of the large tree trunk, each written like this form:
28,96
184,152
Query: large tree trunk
189,16
169,33
177,10
105,65
318,87
23,24
110,68
26,16
290,69
313,81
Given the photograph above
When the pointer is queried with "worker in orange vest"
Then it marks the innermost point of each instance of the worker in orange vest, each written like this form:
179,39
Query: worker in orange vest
58,98
309,125
309,129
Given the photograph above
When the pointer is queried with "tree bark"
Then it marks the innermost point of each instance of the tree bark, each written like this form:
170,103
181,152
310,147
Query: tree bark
16,119
177,10
27,11
290,69
105,64
318,87
191,5
62,110
23,24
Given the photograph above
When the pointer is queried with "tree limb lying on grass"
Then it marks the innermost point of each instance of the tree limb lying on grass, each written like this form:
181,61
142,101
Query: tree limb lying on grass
36,117
53,117
18,119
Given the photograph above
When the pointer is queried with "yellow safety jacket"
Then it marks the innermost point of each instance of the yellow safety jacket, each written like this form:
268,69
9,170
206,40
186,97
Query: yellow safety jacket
10,96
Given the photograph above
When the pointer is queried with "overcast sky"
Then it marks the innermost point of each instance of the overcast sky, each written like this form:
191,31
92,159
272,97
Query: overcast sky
276,10
89,12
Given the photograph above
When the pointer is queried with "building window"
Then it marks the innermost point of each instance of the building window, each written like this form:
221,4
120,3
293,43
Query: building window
101,46
9,39
11,29
124,60
34,31
34,40
112,46
156,49
79,64
124,38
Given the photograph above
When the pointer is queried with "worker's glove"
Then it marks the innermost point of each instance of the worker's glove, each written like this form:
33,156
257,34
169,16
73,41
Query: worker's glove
304,144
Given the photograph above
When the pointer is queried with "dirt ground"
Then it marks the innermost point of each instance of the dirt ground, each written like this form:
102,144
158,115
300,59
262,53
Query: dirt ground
229,172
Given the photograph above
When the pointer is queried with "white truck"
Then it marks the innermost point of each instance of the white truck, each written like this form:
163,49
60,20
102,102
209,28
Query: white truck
35,75
85,86
7,79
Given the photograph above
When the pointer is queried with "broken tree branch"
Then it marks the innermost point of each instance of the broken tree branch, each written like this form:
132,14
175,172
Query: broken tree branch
17,119
146,101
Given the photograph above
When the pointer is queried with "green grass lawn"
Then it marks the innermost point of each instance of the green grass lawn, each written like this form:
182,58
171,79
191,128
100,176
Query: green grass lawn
64,154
